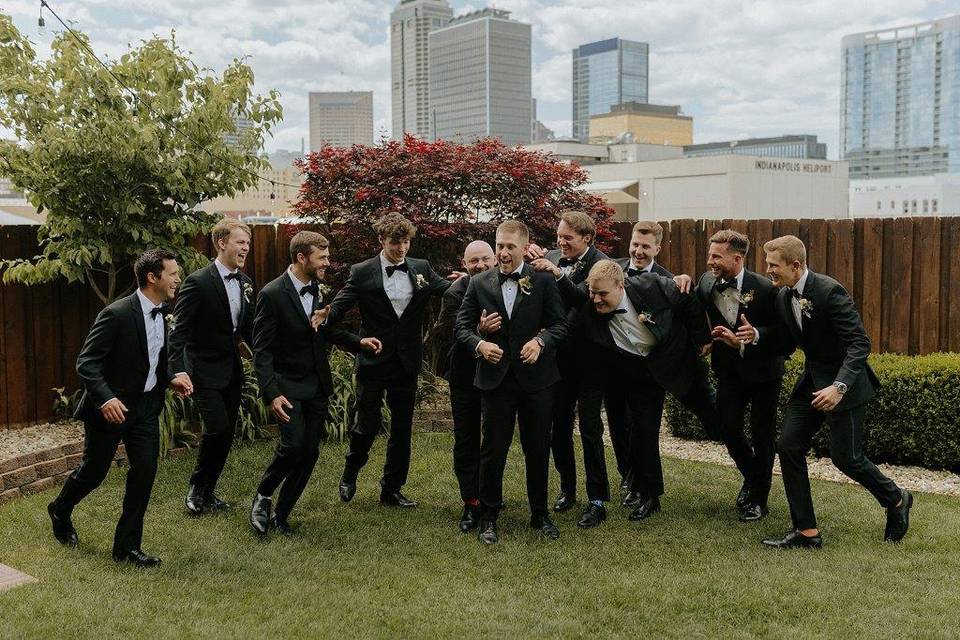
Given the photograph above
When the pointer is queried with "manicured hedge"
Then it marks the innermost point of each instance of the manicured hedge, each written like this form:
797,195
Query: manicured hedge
914,418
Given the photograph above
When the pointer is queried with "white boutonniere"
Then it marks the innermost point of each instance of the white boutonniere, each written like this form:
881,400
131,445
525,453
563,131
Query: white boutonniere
745,298
645,318
247,291
421,281
526,286
324,290
806,307
171,320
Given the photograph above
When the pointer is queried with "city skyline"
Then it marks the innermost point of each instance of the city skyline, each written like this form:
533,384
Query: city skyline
756,70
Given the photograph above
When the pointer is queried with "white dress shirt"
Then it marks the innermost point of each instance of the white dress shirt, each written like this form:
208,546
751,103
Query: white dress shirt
234,293
155,338
567,270
509,290
398,287
628,332
801,283
306,299
728,302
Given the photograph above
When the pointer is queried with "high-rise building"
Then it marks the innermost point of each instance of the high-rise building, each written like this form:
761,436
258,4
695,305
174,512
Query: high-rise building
539,132
237,138
341,118
642,123
605,74
900,100
801,147
480,78
410,24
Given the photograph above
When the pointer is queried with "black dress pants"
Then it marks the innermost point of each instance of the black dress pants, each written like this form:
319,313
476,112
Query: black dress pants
140,435
465,405
400,388
564,413
219,410
503,407
296,453
800,424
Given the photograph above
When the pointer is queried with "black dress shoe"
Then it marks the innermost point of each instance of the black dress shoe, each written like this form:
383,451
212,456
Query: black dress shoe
743,498
396,499
898,518
137,557
752,512
260,514
593,515
624,486
194,501
632,499
213,503
63,529
282,525
645,508
347,490
565,502
546,527
487,532
469,519
795,540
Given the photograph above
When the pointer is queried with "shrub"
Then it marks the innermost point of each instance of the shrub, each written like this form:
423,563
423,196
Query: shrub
913,419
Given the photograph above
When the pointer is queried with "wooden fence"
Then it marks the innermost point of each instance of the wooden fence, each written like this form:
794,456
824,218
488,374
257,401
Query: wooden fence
903,273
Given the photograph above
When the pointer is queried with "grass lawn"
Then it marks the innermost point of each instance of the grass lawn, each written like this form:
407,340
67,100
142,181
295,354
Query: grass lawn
360,570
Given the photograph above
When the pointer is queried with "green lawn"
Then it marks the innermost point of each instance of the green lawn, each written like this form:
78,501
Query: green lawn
360,570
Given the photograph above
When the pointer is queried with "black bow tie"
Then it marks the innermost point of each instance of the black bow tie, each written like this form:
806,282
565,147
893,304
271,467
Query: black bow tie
567,262
633,271
392,268
515,276
613,314
795,293
311,288
156,311
723,285
232,276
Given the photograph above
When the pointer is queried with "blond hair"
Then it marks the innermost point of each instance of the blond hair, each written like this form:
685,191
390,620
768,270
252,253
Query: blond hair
738,242
515,226
580,222
605,270
646,228
790,248
223,229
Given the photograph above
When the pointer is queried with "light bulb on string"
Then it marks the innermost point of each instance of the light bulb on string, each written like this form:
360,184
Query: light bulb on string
41,23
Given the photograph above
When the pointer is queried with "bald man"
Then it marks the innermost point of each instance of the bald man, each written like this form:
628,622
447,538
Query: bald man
459,368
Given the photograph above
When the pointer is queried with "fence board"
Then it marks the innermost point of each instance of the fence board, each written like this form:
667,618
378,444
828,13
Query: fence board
20,394
953,304
927,307
869,283
898,278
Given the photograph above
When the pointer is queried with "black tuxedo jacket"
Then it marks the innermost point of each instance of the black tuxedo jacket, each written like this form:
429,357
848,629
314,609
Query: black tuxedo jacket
678,322
537,313
290,358
834,342
202,340
460,365
114,363
401,336
658,268
755,365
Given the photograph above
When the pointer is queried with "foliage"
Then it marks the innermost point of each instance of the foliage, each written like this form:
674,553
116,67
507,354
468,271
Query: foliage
454,193
179,423
913,419
64,404
111,173
254,415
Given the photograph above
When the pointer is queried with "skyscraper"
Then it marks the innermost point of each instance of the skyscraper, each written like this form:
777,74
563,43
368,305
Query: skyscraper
480,78
607,73
410,24
900,100
341,118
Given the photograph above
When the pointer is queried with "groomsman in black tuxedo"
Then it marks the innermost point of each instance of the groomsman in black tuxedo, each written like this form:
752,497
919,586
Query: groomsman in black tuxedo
819,316
644,332
570,263
122,367
291,360
516,374
214,312
459,370
645,244
393,293
733,295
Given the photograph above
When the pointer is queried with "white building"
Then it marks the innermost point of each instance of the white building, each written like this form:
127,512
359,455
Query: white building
937,195
340,118
584,154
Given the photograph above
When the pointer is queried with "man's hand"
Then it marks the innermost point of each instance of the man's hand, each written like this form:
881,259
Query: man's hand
746,333
534,252
113,411
683,282
455,275
490,352
530,352
181,385
705,349
542,264
371,344
489,323
826,399
319,317
278,405
726,336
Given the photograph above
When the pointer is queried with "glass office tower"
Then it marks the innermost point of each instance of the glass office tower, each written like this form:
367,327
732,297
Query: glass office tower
900,101
607,73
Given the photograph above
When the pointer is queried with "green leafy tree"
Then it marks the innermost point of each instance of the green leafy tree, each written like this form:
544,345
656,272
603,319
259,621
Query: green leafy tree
115,174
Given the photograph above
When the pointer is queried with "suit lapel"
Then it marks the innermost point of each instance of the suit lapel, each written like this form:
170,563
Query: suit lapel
221,289
524,272
786,312
497,293
139,321
641,306
412,276
294,296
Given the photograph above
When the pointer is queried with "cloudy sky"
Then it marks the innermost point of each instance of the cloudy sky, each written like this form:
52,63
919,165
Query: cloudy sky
739,67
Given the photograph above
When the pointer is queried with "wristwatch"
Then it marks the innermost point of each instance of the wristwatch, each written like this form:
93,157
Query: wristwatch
841,387
540,342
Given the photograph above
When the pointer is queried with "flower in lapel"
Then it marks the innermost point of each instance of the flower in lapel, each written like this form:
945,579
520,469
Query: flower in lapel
247,291
806,307
645,318
421,281
526,286
745,298
324,290
171,320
